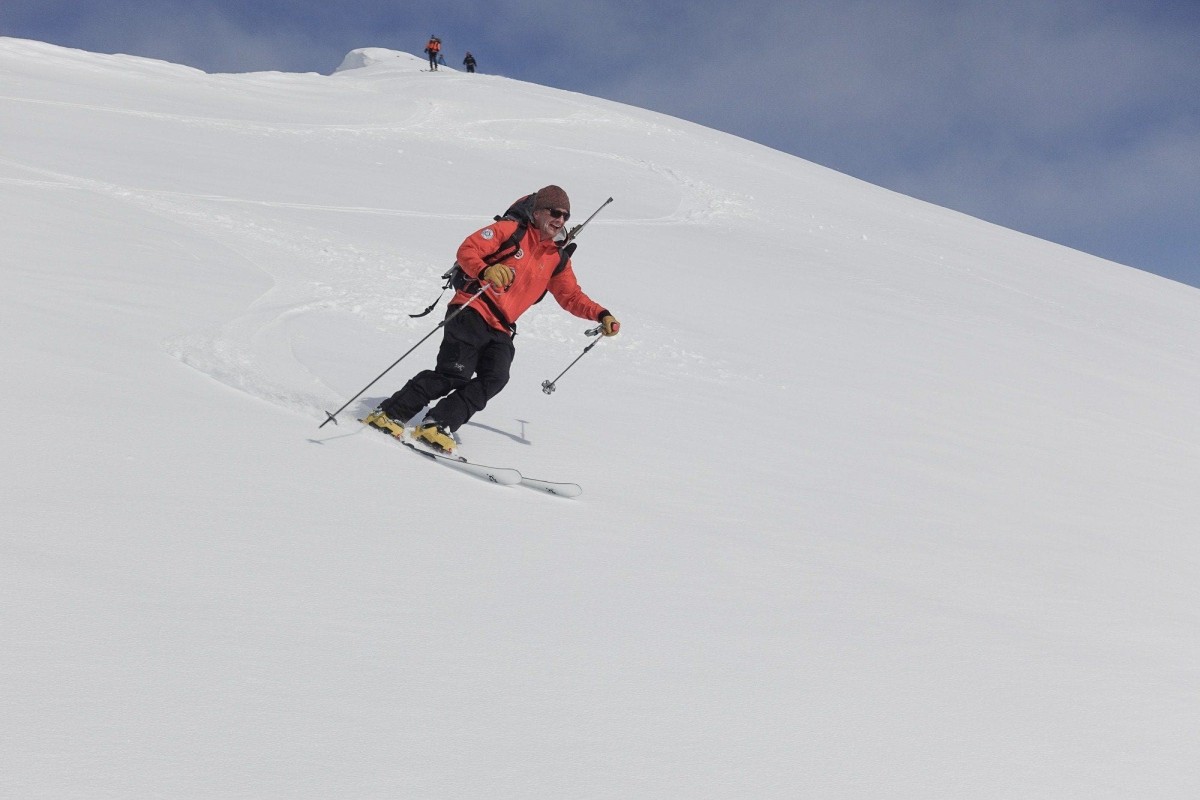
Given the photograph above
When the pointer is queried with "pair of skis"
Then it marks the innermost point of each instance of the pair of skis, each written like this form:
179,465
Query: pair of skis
502,476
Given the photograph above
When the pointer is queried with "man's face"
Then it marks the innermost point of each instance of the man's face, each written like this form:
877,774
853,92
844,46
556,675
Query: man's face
550,221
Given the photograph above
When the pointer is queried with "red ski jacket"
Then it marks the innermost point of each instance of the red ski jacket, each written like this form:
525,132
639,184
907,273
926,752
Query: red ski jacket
533,264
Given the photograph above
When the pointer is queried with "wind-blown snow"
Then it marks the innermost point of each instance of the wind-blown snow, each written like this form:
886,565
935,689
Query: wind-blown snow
879,500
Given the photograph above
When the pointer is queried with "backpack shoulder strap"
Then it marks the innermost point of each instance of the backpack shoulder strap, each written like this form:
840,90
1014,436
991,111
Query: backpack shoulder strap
520,212
510,245
564,255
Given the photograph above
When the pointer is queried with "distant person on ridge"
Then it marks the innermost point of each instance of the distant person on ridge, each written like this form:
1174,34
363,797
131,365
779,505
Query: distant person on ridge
469,61
477,345
432,49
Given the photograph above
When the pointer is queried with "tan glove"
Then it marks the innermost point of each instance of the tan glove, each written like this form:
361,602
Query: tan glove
611,326
499,275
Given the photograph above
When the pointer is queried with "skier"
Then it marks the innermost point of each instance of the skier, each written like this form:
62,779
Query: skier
477,345
469,61
432,49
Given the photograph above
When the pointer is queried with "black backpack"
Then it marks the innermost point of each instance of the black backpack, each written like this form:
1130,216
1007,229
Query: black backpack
455,278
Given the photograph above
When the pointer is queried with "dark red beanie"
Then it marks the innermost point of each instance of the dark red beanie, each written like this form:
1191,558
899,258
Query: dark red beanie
551,197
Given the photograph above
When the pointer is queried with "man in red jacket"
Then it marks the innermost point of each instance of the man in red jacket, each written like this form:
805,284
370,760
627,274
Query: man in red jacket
477,345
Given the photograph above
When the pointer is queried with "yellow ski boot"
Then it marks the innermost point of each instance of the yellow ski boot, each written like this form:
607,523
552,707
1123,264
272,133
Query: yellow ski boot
381,421
435,435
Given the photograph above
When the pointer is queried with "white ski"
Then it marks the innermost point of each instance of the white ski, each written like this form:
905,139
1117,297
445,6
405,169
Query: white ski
551,487
501,475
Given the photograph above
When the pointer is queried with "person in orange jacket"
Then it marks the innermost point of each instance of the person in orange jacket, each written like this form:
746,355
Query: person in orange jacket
477,344
432,49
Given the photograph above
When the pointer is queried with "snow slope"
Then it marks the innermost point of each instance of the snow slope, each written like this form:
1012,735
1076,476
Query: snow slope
879,500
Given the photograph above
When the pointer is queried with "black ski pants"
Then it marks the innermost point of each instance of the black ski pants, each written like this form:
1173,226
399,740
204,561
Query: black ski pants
472,367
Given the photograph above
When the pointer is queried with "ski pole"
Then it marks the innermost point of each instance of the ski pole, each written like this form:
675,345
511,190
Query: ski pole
571,234
333,417
548,386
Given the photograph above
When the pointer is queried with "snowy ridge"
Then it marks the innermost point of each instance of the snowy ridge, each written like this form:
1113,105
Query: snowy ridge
881,500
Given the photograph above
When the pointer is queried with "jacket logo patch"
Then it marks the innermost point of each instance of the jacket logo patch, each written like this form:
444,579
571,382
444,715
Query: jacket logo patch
519,254
488,233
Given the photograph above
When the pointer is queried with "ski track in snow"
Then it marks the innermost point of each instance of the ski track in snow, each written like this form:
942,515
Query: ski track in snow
251,352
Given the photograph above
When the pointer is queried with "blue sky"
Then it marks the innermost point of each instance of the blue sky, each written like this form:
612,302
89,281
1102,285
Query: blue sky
1077,121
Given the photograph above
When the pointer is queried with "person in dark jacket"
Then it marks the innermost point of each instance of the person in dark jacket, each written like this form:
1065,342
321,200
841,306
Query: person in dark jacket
477,344
469,61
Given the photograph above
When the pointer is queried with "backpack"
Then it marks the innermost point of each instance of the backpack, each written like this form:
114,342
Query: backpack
455,278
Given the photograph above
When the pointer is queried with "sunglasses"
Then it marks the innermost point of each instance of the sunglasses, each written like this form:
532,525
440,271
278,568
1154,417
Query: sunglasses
558,212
